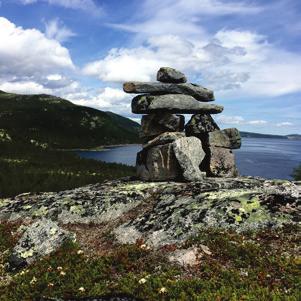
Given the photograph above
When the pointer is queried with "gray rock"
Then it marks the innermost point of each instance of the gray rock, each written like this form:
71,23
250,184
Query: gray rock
185,257
169,212
190,154
39,239
164,138
155,124
158,164
170,75
222,162
198,92
228,138
172,103
200,124
181,210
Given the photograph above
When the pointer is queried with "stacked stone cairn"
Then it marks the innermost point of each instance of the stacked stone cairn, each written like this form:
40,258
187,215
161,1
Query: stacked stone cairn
171,149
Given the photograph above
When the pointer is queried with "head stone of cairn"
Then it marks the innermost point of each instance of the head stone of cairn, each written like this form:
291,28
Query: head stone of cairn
171,149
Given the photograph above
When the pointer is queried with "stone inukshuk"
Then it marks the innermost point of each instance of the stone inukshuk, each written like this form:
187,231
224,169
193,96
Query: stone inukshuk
171,150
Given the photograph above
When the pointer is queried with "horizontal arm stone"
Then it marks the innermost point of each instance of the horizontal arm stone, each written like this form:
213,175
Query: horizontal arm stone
198,92
173,103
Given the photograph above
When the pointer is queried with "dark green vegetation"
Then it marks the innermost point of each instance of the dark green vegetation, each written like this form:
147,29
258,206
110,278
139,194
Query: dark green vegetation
262,266
297,173
29,168
257,135
58,123
33,127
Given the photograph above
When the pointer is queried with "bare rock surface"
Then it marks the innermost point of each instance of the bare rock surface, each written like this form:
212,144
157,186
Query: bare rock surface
172,103
170,212
198,92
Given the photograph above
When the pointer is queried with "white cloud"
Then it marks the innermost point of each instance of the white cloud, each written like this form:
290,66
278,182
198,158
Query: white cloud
27,52
230,119
257,122
239,120
30,62
234,63
284,124
26,87
181,17
85,5
58,31
107,99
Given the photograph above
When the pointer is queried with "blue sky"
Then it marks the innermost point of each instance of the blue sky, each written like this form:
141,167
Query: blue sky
247,51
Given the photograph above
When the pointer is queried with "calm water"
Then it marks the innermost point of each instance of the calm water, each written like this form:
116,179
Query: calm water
269,158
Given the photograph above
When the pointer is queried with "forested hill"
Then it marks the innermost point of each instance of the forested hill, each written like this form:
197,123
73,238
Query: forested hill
257,135
58,123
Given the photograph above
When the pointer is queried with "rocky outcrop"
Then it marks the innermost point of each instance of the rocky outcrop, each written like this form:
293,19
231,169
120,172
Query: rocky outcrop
165,212
39,239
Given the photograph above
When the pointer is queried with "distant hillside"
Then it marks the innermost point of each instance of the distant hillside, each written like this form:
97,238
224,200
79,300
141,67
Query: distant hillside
257,135
49,120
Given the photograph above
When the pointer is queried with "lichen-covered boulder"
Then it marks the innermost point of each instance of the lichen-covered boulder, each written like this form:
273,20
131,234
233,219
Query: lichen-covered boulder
153,125
189,154
39,239
170,75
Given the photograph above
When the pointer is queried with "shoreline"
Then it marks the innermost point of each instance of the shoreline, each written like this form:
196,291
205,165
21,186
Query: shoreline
98,148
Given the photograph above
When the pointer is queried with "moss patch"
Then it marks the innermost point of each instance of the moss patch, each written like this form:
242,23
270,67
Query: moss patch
250,266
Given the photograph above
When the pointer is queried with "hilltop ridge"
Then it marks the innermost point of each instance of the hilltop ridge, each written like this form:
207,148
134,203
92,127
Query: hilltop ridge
59,123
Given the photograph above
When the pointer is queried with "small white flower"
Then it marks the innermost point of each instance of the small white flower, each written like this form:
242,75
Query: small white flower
163,290
145,247
59,268
79,252
33,280
62,273
142,281
81,289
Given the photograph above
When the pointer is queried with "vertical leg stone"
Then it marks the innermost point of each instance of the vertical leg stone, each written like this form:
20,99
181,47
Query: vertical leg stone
155,124
222,162
158,164
190,154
